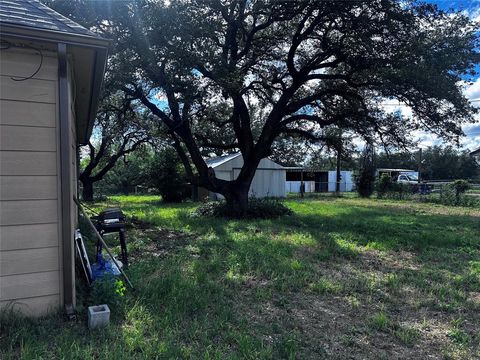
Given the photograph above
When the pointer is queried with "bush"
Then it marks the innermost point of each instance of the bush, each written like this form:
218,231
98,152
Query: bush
365,181
266,208
387,188
108,290
460,186
453,194
167,175
384,185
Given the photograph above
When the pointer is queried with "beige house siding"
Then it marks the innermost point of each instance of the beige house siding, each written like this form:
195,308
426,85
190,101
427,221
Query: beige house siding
30,249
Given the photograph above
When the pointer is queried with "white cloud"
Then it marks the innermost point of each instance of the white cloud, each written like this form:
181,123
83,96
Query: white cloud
474,14
391,106
470,141
472,92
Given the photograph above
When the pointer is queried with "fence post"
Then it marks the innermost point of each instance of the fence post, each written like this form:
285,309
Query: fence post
302,184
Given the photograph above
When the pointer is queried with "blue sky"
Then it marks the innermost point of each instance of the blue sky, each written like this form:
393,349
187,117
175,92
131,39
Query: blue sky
472,140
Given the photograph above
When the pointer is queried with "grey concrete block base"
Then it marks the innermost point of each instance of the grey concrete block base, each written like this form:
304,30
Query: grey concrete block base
98,316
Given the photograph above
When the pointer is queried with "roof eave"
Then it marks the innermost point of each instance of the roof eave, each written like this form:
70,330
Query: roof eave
98,72
233,156
32,33
99,45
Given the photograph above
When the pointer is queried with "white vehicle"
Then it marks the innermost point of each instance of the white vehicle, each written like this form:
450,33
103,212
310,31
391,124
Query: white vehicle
407,179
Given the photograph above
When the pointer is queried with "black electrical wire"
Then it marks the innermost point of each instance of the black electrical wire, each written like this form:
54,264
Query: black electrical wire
36,71
5,45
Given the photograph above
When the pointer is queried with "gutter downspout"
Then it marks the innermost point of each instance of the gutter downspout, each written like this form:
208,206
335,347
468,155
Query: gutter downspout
66,181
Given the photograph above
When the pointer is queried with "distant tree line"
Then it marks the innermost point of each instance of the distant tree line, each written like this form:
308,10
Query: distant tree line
436,163
148,169
159,170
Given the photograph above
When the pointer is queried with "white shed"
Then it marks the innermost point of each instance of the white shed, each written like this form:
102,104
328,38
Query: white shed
269,179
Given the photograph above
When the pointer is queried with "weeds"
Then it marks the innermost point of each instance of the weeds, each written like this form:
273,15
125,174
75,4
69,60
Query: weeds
257,208
379,321
406,335
300,286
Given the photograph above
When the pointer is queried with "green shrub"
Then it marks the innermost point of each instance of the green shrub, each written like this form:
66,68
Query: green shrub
168,177
266,208
365,184
453,194
387,188
460,186
383,185
108,290
365,180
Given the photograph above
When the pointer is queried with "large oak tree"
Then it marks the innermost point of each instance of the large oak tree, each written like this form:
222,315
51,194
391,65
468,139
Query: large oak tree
239,74
120,128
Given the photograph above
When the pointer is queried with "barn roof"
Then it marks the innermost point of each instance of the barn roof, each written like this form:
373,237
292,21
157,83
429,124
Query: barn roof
33,14
387,169
219,160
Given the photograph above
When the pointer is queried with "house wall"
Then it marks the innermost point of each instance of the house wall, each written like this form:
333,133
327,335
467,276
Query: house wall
267,183
30,249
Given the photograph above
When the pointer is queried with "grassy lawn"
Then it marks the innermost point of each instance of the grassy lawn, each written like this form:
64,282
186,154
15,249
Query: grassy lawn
342,278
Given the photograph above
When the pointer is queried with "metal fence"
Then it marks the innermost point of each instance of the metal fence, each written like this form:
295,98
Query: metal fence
102,190
424,188
437,186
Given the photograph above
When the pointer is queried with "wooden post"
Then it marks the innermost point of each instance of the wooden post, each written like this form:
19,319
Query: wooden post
419,164
338,173
302,184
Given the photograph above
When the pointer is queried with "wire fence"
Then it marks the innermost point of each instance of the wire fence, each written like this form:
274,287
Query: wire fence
440,192
102,190
439,186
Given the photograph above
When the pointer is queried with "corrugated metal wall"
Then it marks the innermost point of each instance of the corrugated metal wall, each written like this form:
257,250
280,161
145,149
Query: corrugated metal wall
269,180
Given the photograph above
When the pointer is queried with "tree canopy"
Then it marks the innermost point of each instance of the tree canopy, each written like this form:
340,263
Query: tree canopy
120,128
240,74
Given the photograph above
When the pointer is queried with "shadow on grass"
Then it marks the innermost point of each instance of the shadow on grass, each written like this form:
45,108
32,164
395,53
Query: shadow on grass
186,305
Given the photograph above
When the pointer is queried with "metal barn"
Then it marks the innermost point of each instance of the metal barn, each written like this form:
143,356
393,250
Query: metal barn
269,180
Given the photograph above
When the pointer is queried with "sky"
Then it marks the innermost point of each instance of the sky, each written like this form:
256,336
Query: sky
472,131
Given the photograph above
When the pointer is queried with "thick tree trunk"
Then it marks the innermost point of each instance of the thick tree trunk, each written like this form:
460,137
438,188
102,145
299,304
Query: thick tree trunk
237,198
87,193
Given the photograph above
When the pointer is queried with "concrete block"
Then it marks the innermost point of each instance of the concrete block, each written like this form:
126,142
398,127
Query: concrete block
98,316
